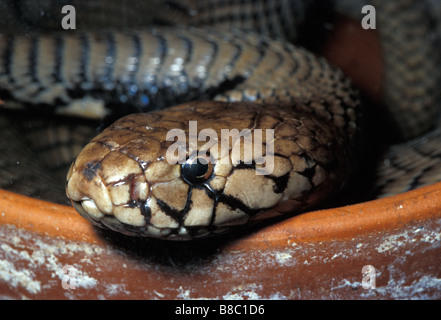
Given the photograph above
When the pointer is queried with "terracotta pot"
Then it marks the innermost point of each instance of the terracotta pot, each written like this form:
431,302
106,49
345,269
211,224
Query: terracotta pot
314,255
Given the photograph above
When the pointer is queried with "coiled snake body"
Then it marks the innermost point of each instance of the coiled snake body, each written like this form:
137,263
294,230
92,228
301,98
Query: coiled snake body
122,179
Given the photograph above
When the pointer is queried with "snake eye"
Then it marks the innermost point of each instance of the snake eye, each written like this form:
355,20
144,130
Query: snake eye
196,170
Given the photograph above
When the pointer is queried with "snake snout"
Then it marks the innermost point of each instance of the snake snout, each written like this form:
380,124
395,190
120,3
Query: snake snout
114,191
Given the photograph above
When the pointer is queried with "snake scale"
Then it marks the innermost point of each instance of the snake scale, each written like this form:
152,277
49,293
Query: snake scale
228,78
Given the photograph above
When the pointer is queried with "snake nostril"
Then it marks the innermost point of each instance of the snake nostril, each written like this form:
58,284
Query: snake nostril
197,170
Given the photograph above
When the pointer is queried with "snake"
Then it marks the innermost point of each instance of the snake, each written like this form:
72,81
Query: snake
221,79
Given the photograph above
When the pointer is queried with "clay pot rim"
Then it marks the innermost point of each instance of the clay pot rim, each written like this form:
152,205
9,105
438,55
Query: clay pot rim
323,225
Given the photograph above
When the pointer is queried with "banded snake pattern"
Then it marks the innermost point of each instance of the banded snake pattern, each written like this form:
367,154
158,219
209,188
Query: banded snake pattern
313,108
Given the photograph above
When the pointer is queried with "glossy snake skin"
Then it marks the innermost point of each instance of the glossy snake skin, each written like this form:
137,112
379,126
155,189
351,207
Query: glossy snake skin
121,180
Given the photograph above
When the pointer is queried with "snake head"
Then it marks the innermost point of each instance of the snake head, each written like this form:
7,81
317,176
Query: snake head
133,179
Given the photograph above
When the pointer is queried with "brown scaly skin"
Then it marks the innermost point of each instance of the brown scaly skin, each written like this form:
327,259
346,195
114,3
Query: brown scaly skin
70,70
316,107
122,181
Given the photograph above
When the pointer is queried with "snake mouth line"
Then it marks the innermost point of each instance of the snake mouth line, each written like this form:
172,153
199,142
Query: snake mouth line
246,146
